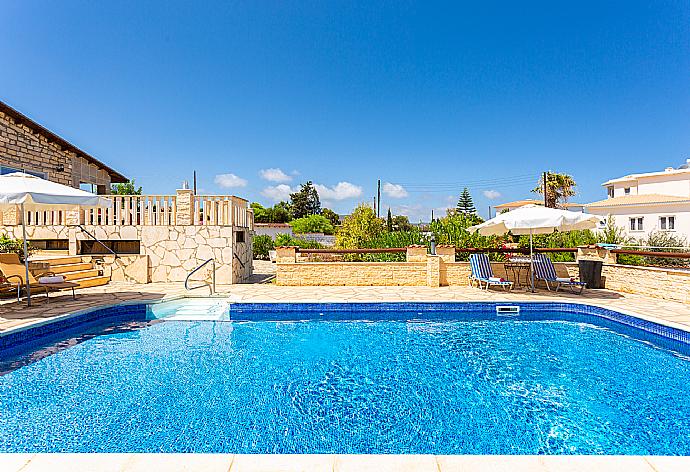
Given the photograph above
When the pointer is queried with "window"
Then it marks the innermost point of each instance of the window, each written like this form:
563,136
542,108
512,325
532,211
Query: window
636,224
91,188
627,190
667,223
239,236
4,170
610,191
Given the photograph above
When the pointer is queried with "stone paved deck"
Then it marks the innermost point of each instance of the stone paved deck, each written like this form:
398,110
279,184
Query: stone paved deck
339,463
14,315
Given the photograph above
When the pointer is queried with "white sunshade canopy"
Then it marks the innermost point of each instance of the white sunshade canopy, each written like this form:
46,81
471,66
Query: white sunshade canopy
39,194
536,219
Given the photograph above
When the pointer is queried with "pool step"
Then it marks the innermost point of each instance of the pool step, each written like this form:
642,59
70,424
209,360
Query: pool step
193,310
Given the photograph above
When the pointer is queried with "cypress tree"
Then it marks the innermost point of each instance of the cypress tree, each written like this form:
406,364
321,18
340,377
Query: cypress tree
389,221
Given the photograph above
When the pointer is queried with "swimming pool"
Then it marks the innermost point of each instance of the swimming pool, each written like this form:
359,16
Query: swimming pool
350,378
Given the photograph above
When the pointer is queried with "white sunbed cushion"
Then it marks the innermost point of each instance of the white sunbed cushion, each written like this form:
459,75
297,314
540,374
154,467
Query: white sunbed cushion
565,279
496,279
54,279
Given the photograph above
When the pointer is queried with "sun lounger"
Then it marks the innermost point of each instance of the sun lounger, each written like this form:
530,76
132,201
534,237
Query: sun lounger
11,267
544,270
481,273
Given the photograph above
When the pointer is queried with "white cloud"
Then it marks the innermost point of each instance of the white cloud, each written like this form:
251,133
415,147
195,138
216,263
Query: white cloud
274,175
394,190
492,194
229,181
277,193
341,191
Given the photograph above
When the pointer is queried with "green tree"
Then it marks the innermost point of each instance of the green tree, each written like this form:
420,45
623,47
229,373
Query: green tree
127,188
389,221
465,203
312,224
559,187
332,216
305,201
276,214
402,223
359,229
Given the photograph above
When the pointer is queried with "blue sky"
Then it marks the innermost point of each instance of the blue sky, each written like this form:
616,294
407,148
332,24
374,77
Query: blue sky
426,96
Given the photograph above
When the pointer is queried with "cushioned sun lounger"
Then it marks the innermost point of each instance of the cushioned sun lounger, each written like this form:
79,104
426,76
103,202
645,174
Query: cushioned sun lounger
544,270
481,273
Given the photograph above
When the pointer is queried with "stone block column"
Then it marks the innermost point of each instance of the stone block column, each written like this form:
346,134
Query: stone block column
184,207
595,253
286,254
446,252
11,217
416,253
433,270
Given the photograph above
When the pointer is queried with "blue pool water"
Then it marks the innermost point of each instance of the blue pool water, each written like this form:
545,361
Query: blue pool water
547,383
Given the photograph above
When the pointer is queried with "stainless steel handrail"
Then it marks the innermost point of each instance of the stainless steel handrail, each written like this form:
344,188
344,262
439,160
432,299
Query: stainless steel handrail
97,240
213,276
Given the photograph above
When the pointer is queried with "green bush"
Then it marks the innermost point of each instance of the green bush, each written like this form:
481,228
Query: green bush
287,240
666,242
312,224
16,246
261,245
394,239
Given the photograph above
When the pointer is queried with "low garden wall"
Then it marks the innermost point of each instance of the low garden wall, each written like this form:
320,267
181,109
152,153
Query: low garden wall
667,284
422,269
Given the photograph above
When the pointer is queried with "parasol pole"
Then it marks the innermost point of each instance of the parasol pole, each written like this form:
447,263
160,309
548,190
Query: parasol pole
531,260
26,258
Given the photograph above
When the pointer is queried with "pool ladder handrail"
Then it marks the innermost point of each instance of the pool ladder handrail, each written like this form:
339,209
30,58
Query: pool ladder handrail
212,286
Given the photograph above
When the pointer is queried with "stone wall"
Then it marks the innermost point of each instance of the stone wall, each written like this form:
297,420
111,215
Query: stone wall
172,251
351,273
23,148
667,284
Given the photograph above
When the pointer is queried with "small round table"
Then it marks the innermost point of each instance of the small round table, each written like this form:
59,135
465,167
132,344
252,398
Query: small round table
516,267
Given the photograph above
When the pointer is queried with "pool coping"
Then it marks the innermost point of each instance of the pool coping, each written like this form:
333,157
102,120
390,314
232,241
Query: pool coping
335,462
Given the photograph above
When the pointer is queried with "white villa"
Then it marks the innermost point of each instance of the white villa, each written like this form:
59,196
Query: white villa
510,206
645,203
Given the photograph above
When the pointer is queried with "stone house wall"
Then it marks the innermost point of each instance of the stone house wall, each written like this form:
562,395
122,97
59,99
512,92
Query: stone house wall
21,147
171,251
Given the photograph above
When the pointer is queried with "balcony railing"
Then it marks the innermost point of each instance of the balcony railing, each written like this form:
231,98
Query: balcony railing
153,210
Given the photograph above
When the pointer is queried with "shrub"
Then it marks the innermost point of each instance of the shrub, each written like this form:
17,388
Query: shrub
394,239
16,246
666,242
359,230
287,240
312,224
261,245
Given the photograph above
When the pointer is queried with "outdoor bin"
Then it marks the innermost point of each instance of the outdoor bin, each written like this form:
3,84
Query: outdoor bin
590,273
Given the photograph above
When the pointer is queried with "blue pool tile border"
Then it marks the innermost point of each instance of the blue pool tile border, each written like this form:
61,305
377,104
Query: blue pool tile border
375,311
393,311
128,312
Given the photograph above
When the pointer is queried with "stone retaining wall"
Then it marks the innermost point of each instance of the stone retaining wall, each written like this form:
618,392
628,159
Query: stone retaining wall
667,284
172,251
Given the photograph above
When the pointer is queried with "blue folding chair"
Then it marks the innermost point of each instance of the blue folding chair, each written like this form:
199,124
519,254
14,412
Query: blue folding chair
481,273
544,270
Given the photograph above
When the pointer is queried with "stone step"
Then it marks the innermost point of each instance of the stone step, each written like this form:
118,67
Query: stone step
93,281
72,267
57,260
78,275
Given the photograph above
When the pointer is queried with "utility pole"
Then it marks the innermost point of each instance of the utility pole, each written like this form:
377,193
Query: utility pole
194,187
546,191
489,211
378,193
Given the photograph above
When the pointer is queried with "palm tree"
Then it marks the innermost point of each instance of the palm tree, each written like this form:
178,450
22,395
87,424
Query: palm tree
559,187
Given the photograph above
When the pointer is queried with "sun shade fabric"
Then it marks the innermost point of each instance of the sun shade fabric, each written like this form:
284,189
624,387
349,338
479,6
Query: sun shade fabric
536,219
40,194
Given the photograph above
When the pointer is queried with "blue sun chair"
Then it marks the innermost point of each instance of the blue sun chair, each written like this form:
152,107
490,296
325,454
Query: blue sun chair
483,275
544,270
